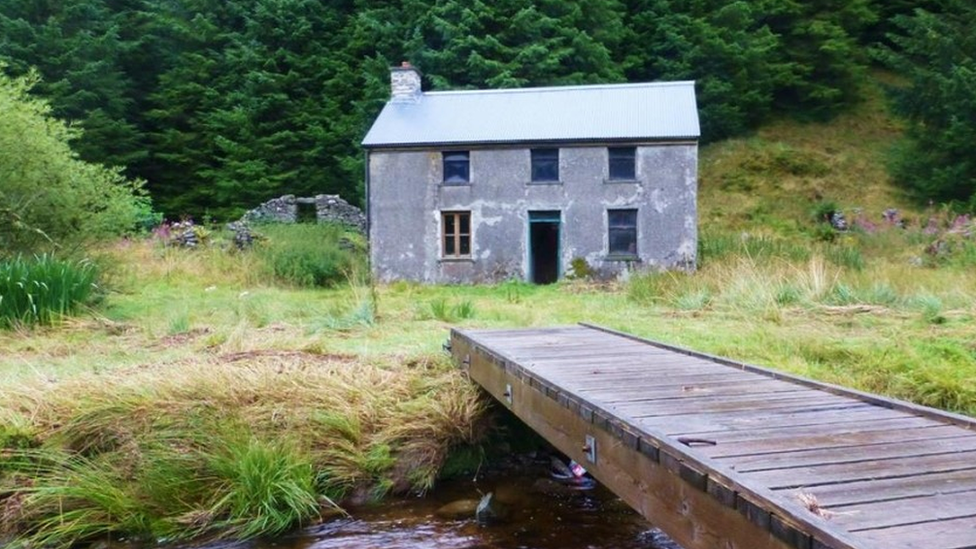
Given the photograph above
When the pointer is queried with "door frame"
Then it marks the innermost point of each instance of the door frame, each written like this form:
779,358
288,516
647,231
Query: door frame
544,216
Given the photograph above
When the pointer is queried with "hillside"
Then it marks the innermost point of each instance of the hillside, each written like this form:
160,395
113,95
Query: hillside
769,183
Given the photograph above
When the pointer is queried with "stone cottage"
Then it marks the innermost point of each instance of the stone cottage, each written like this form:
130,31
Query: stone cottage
486,185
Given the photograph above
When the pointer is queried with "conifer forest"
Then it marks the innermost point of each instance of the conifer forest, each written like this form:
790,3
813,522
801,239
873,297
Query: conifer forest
218,105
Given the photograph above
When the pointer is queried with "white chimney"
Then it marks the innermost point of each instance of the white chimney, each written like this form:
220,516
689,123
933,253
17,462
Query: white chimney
405,83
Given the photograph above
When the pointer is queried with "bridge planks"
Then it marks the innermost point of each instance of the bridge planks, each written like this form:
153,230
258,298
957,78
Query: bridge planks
882,473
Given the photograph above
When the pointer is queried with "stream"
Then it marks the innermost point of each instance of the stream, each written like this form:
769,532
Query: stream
542,514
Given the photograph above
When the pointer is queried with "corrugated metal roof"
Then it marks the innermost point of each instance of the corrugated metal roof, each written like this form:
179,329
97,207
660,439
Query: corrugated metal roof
652,111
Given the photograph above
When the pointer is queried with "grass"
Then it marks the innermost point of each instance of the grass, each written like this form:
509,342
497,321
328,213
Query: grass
218,407
43,289
310,255
228,445
771,183
217,399
267,487
448,311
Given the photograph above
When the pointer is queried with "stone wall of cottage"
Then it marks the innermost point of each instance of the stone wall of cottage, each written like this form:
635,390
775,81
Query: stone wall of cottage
408,198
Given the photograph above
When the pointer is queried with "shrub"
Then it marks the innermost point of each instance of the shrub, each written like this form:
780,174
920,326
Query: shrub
822,211
48,196
580,269
43,289
310,255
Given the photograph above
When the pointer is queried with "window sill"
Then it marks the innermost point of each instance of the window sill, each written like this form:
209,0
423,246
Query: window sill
622,181
455,183
630,258
467,259
543,183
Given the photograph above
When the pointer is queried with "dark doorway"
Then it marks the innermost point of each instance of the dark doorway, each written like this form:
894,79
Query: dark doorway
544,247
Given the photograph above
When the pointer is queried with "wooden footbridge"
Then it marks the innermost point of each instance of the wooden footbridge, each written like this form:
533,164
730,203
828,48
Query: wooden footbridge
723,455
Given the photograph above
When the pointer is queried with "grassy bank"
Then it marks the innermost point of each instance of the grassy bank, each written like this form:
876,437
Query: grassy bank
223,444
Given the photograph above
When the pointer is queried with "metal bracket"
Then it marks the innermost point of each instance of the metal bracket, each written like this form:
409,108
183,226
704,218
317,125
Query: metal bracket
509,396
589,449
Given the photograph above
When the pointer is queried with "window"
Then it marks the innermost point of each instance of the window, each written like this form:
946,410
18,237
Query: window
457,234
622,232
623,163
545,165
457,167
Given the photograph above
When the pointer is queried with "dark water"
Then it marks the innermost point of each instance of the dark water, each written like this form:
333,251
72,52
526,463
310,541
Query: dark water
543,514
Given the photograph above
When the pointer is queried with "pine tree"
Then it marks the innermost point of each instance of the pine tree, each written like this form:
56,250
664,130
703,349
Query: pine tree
514,43
77,49
820,41
937,53
736,60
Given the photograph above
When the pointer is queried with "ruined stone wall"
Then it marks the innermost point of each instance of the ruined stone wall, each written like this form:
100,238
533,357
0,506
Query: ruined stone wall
328,208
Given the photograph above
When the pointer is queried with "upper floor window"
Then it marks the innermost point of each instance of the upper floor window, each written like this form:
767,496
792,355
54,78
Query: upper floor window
545,165
457,167
456,235
623,163
622,232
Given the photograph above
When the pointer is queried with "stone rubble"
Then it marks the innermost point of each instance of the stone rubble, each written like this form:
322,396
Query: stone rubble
328,208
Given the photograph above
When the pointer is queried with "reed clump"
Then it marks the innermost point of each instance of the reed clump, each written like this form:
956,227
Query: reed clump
234,445
43,289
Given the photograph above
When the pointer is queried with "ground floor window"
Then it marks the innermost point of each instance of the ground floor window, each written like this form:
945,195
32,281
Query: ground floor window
457,234
622,232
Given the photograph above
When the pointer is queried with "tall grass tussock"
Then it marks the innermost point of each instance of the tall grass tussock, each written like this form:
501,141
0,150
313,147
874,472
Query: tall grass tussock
43,289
